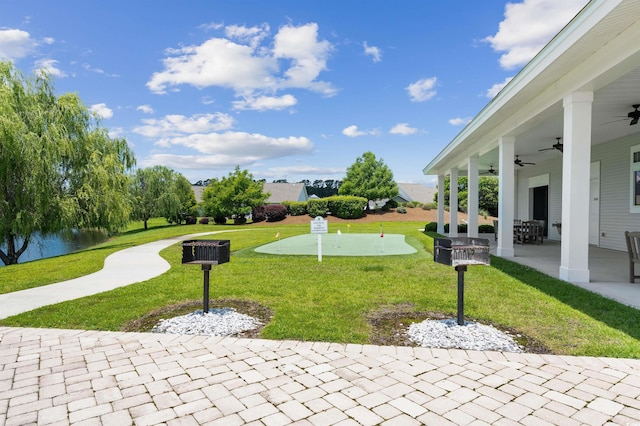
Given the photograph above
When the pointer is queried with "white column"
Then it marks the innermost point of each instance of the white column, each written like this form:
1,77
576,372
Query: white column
441,204
506,190
576,175
453,203
472,196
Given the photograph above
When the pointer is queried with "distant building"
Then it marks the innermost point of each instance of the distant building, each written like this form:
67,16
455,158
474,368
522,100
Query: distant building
408,192
285,192
279,192
198,191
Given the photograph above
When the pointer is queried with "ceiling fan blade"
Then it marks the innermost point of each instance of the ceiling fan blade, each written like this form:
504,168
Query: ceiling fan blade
547,149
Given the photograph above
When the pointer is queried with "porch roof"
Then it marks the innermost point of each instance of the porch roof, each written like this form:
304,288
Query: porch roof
598,51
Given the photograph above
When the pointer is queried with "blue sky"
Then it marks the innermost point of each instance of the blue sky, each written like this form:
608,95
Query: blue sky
285,89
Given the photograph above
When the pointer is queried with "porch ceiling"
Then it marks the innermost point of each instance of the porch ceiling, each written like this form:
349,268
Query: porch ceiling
598,51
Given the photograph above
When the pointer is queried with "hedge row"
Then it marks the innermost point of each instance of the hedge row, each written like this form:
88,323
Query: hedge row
462,228
342,206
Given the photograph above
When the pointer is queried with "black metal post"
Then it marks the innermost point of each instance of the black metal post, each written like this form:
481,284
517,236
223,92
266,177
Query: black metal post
205,302
461,269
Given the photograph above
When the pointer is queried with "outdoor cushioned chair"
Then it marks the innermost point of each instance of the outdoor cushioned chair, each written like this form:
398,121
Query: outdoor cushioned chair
633,249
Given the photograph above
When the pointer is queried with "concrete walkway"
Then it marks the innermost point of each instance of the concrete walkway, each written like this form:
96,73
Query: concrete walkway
122,268
51,376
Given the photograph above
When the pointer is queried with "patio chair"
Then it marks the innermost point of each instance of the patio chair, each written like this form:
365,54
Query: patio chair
633,249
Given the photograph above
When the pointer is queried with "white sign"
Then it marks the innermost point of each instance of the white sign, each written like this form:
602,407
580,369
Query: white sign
319,225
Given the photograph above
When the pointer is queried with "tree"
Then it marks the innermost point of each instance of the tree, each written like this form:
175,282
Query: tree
487,193
369,178
233,196
188,202
59,169
161,192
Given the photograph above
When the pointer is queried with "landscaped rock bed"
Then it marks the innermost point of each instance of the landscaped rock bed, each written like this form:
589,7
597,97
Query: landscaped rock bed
396,325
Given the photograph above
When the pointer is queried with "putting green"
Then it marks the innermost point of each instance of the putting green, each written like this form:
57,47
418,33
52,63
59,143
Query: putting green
340,245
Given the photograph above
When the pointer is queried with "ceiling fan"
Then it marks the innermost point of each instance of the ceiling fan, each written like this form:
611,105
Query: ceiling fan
634,115
521,163
491,171
558,145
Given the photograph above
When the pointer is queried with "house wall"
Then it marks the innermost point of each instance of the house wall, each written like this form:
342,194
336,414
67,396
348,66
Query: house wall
615,217
553,168
615,179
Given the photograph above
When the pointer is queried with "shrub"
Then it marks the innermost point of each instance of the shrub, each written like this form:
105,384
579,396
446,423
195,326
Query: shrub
413,204
275,212
317,207
486,229
462,228
483,213
346,206
401,209
219,220
392,204
429,206
258,213
204,221
296,208
191,220
239,219
431,227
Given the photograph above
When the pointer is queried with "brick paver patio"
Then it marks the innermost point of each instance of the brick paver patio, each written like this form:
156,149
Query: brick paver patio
56,377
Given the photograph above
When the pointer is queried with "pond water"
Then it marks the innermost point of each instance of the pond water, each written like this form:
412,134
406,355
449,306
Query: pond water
56,245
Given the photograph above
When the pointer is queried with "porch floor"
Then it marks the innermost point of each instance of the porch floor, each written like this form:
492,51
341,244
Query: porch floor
608,269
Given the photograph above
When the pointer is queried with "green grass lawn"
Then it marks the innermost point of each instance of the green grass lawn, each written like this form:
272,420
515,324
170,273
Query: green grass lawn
330,301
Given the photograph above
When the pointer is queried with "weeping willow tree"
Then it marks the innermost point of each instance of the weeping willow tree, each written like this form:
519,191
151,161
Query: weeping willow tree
161,192
59,169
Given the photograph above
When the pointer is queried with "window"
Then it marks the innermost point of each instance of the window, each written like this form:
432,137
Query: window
635,179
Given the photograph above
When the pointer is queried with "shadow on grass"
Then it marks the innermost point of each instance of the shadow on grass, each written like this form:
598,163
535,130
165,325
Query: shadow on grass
614,314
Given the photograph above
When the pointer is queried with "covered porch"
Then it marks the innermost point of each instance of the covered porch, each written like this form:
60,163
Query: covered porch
563,140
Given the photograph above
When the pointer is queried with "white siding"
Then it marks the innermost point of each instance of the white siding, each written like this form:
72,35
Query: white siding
553,168
615,217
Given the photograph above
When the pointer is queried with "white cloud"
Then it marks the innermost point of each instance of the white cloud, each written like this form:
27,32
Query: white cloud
197,162
308,57
50,66
249,64
116,132
459,121
216,62
212,26
496,88
403,129
250,147
422,90
373,51
102,110
178,125
353,132
15,44
145,109
249,35
304,171
263,103
202,134
48,40
528,26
